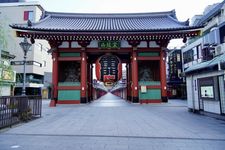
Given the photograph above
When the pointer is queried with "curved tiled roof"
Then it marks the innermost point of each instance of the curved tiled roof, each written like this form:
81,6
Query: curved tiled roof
78,22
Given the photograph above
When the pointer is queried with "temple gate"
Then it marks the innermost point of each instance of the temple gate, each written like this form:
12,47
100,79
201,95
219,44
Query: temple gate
138,40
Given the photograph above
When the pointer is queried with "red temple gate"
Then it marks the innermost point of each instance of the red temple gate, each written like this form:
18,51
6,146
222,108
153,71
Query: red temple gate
139,40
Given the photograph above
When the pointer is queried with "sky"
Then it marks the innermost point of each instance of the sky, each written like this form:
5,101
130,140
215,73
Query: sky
185,9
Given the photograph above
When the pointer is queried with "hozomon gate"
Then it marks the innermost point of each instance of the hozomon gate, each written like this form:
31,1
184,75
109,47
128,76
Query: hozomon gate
78,40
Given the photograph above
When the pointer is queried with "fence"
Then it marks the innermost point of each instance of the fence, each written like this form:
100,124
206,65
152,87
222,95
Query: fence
14,109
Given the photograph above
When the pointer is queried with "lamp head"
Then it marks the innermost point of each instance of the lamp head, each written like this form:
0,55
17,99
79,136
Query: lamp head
25,45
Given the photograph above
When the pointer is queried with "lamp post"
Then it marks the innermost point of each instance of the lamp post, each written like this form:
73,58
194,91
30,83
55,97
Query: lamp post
25,47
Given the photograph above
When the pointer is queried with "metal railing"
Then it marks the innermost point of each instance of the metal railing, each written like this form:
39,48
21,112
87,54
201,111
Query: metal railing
14,109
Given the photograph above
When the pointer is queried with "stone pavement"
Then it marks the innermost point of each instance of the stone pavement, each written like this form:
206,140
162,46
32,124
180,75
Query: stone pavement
114,124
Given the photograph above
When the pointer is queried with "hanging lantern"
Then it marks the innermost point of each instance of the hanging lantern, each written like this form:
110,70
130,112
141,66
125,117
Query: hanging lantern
108,68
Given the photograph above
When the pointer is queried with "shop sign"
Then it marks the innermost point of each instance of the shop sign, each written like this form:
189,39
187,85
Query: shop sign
7,75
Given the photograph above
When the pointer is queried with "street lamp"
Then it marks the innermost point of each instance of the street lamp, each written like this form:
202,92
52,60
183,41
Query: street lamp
25,47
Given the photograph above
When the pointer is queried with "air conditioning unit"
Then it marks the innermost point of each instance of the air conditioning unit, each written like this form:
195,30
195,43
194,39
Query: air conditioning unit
220,49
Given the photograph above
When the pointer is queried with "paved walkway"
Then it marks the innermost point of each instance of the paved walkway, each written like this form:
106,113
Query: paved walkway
110,100
112,123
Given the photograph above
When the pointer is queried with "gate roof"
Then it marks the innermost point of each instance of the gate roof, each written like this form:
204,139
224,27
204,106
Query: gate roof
75,24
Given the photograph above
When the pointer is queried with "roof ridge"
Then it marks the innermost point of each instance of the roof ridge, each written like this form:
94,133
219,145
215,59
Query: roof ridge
112,15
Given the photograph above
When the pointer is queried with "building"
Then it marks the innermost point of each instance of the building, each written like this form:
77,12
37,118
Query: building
39,61
138,40
203,60
176,85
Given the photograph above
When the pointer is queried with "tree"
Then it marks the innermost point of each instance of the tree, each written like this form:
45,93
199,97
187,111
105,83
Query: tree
3,36
4,67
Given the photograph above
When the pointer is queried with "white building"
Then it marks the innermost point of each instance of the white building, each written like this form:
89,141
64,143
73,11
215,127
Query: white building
39,62
203,61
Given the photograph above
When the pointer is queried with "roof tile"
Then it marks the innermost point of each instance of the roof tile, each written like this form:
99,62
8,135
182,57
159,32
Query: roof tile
107,22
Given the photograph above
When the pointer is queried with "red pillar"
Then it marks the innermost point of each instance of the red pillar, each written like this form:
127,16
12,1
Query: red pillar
83,98
89,81
54,79
135,98
163,76
128,82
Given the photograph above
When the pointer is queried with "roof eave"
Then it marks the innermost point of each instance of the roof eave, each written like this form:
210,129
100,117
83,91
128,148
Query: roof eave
105,31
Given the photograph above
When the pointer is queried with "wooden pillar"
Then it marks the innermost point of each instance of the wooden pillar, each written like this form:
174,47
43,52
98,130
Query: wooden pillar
83,98
89,76
135,98
134,71
128,82
54,46
131,84
83,95
88,81
163,76
163,44
91,82
54,79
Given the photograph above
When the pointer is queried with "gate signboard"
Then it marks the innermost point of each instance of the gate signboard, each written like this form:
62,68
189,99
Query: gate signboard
109,44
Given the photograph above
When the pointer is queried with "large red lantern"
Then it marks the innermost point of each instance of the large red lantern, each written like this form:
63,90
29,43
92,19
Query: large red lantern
108,68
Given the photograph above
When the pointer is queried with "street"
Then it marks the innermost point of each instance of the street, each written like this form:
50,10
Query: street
111,123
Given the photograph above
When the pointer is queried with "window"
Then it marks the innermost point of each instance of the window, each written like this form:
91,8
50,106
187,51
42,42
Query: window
192,54
213,37
188,56
206,54
195,53
28,15
222,34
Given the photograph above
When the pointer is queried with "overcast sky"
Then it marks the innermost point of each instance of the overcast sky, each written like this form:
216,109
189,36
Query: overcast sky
185,9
